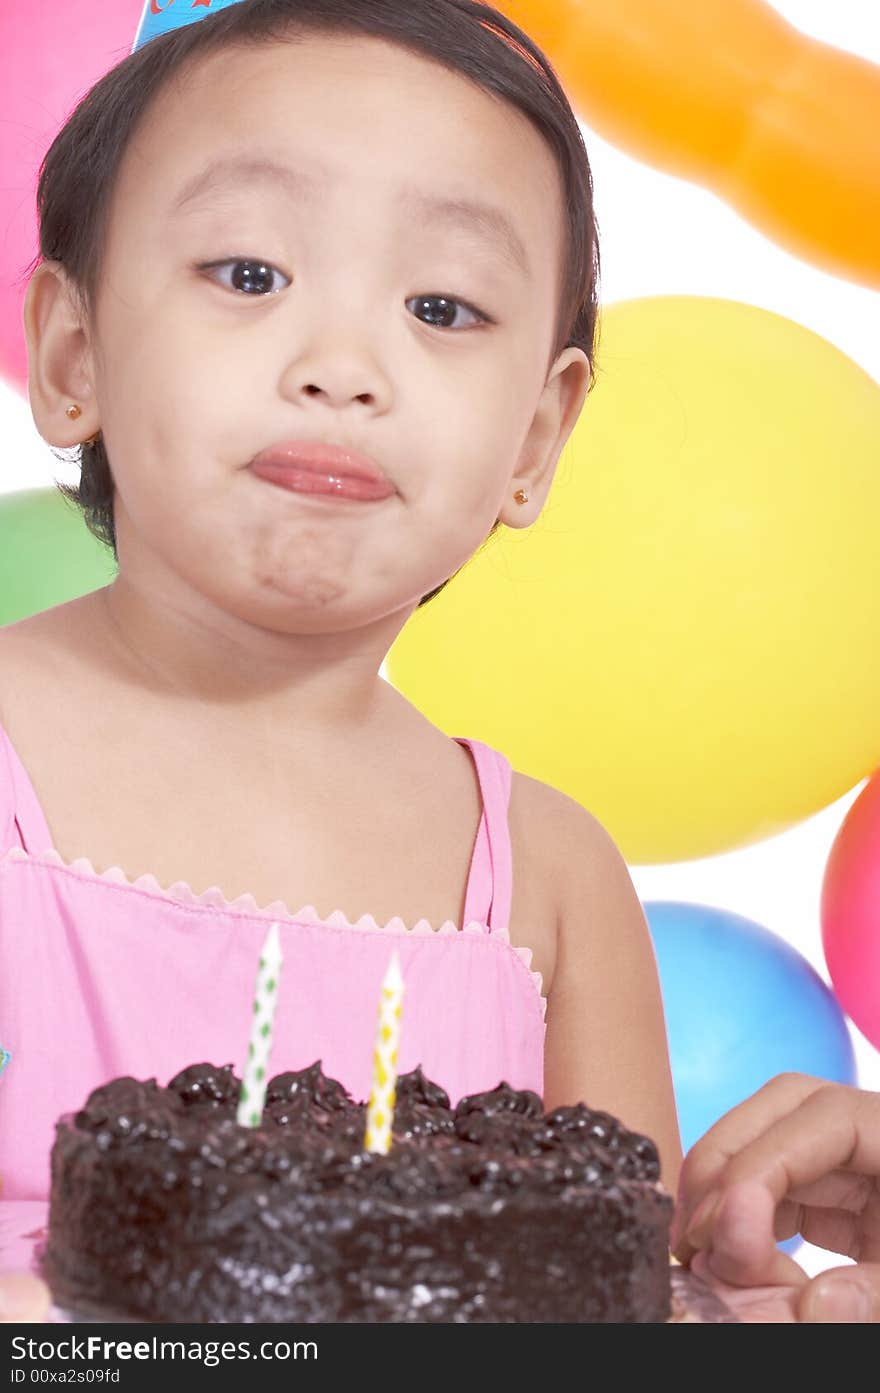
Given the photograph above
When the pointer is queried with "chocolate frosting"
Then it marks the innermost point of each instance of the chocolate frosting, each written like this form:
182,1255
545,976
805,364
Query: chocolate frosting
310,1124
366,1236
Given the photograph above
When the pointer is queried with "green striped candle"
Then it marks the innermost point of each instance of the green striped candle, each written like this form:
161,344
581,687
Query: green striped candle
253,1086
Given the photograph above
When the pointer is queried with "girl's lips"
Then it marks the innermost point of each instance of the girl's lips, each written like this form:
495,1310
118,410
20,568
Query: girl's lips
311,466
299,479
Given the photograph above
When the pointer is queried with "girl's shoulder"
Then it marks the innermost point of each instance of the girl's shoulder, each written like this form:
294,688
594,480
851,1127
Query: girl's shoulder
24,683
560,844
564,833
42,633
44,697
45,641
19,646
30,650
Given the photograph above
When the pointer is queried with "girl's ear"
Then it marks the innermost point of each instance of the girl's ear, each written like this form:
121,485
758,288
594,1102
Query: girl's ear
59,364
557,411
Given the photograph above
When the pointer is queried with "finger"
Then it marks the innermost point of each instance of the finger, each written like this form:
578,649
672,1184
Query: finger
787,1220
838,1190
772,1227
836,1230
741,1248
708,1157
843,1294
833,1128
832,1213
23,1297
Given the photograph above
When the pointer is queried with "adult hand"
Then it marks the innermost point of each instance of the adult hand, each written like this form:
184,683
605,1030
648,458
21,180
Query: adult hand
800,1156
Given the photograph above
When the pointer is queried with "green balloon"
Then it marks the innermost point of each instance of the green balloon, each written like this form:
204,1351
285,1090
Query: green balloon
47,554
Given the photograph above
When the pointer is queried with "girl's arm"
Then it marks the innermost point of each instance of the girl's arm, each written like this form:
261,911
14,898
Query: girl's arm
606,1035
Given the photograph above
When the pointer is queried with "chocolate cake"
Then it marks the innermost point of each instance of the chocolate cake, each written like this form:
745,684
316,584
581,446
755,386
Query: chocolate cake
163,1207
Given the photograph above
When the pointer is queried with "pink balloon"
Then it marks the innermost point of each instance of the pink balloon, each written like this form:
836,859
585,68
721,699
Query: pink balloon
850,912
51,53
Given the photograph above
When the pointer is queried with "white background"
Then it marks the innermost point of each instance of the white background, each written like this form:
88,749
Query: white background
662,235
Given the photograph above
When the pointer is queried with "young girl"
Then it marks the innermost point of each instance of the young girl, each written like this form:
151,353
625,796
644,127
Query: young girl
317,295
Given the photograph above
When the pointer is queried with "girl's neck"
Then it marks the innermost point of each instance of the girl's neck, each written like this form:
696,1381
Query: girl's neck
305,688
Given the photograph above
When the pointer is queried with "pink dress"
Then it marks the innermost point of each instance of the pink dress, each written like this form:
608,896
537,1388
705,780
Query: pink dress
101,976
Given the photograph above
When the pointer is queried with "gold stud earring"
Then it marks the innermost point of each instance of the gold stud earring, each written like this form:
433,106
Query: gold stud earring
521,496
73,411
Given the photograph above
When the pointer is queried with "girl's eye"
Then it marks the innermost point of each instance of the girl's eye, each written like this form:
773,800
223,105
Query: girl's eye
253,277
249,277
441,310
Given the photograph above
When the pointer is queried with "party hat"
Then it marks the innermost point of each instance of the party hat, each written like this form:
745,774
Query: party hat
161,15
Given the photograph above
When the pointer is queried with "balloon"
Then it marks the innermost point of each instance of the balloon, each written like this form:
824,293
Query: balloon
850,912
723,93
728,94
50,55
47,555
741,1006
685,642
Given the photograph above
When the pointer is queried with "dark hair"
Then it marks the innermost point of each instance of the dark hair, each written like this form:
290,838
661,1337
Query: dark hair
79,170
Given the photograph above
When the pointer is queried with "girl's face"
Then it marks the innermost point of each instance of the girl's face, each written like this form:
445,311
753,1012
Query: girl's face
384,314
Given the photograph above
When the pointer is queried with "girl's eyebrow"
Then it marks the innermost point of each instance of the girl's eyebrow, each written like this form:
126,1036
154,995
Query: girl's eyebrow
238,171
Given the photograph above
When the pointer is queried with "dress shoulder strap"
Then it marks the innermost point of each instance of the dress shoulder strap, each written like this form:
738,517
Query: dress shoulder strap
490,881
22,822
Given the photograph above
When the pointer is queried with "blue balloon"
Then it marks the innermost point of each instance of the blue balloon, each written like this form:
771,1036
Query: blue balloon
741,1006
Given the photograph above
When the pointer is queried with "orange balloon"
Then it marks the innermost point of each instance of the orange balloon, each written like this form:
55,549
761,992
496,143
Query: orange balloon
727,94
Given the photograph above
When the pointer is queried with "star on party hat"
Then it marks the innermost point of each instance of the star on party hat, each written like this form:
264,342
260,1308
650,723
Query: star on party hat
160,16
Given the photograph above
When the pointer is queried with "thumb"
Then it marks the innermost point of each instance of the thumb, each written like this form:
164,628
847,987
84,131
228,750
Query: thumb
843,1294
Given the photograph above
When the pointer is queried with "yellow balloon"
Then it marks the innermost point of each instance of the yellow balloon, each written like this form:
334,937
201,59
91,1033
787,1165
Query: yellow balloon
687,641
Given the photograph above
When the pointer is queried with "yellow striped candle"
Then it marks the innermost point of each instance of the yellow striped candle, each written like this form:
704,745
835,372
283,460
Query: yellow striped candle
253,1087
380,1109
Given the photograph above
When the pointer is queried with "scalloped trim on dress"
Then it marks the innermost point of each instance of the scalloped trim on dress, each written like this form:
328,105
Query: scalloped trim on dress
182,893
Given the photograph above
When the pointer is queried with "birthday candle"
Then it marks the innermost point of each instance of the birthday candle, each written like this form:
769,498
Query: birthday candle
253,1087
380,1109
